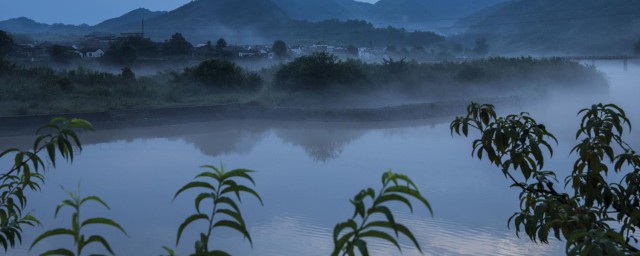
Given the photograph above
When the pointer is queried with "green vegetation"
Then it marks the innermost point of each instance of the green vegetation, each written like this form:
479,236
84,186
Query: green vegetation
225,211
6,43
349,235
59,137
79,238
223,75
597,218
33,90
317,72
128,50
280,49
177,45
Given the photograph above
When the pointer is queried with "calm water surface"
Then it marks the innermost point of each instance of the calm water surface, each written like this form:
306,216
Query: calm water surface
307,172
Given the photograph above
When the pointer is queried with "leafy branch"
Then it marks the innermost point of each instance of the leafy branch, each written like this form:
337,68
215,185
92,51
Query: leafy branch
349,235
80,240
515,143
59,136
225,210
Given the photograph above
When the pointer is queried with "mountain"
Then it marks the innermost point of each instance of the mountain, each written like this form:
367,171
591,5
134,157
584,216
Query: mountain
424,14
127,21
202,20
561,27
29,26
314,10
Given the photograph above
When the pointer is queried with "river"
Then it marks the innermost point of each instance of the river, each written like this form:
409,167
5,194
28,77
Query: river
306,174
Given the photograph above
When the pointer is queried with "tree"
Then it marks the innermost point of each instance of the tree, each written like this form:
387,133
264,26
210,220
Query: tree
636,47
352,50
319,71
128,74
121,53
62,54
596,217
223,74
177,45
482,47
221,44
280,48
6,43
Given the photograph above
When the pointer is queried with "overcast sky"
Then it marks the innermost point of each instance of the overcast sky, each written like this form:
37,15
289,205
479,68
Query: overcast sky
83,11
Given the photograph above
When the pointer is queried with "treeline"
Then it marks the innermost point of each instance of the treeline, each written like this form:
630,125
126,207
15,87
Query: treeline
29,90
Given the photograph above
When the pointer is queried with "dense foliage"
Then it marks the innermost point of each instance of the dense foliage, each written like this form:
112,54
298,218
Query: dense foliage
59,137
318,72
224,75
597,217
29,90
6,43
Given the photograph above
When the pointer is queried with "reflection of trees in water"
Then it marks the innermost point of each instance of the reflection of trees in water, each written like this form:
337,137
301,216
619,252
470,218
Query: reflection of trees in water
320,144
239,141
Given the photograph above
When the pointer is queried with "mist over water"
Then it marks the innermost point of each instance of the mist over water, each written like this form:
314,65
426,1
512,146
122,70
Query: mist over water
307,172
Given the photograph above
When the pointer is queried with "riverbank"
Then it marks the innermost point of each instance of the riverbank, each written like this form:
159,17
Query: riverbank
113,119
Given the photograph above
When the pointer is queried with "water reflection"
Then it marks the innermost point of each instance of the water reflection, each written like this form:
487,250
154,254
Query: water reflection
322,141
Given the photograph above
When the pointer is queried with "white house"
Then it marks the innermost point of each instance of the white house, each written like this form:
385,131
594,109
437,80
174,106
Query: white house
91,53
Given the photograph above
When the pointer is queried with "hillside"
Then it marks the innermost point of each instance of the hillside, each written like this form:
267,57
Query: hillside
558,27
425,14
313,10
126,21
202,20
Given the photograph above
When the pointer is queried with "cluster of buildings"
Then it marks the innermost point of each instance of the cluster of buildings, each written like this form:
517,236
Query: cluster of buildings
94,46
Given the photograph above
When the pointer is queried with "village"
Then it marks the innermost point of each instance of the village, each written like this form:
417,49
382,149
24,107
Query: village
96,47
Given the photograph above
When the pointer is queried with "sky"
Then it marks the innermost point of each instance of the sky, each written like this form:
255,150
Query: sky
83,11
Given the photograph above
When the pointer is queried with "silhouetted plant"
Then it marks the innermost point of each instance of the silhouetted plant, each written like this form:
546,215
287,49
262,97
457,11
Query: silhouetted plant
57,137
349,235
79,238
515,144
225,210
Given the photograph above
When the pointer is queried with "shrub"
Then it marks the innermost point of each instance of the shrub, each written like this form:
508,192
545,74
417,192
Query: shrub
224,75
318,72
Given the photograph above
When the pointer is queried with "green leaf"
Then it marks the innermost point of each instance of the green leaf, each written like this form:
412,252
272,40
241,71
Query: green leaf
201,197
188,221
340,226
393,197
381,235
402,228
53,232
100,240
60,251
362,246
242,173
96,199
236,226
387,213
103,221
194,184
415,194
240,188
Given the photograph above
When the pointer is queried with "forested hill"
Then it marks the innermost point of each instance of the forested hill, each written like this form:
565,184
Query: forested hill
560,27
127,21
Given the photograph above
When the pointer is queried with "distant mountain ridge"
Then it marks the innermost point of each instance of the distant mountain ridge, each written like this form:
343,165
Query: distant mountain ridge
552,26
254,14
127,21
